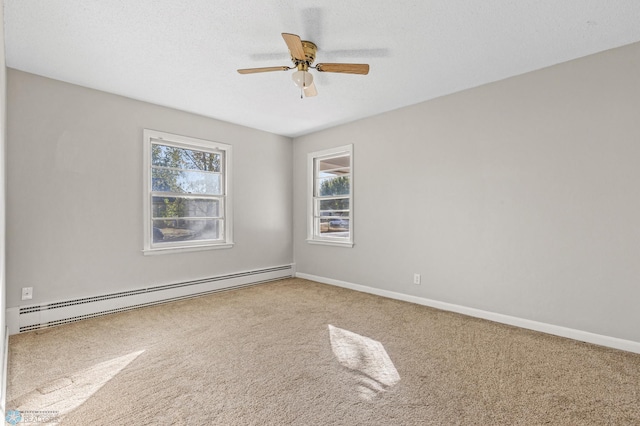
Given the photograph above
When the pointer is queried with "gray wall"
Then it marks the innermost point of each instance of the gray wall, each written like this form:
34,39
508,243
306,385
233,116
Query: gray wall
519,197
75,193
3,103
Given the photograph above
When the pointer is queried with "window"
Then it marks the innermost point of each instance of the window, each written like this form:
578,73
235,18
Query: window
331,196
186,184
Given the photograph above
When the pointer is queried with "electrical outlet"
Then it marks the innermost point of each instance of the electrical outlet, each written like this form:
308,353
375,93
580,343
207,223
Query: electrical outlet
27,293
416,279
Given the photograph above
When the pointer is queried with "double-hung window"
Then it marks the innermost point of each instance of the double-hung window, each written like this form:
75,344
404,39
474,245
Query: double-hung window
331,196
187,202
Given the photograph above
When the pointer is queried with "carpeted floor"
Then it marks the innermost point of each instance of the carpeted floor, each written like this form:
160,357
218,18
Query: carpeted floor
302,353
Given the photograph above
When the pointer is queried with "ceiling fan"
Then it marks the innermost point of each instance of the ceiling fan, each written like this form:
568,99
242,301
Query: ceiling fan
303,53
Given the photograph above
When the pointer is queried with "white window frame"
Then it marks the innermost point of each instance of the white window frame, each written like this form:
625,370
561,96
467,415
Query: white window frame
313,234
154,136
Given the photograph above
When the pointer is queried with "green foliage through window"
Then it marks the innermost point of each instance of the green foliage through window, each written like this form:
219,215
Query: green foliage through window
334,186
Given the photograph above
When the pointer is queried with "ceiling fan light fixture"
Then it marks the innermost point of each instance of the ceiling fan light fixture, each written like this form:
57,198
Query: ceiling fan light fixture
302,79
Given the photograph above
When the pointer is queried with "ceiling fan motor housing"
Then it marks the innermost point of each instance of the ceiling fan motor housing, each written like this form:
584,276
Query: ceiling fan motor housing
310,50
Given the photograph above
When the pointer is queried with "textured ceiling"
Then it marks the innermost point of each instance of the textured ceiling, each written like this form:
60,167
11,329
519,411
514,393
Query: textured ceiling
184,53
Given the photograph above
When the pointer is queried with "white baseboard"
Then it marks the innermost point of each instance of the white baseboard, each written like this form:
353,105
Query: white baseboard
32,317
583,336
13,320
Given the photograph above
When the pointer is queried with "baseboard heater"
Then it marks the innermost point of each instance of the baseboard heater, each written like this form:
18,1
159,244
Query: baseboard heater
45,315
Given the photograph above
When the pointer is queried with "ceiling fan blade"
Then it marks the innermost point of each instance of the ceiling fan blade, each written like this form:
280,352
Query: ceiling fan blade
264,69
344,68
295,45
310,91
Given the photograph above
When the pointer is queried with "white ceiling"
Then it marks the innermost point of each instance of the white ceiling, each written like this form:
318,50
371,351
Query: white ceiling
184,53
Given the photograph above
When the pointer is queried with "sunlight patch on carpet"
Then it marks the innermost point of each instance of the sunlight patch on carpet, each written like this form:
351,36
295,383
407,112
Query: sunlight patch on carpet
366,357
65,394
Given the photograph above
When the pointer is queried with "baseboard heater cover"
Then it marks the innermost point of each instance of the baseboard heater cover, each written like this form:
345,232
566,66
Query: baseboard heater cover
46,315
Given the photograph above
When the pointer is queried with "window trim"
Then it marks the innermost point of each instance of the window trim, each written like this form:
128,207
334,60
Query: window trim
312,238
149,136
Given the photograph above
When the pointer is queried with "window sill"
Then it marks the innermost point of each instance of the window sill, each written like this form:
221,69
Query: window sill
331,243
185,249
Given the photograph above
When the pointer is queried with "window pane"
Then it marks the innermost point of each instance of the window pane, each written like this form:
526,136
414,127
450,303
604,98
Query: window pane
337,207
334,227
186,198
175,230
185,182
185,207
334,173
330,196
333,186
182,158
335,166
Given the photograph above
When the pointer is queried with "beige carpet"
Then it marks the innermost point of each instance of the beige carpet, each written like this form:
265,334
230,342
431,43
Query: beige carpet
302,353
